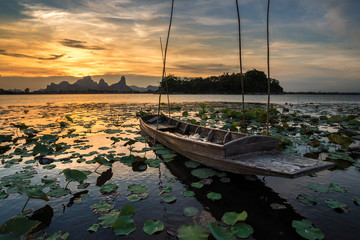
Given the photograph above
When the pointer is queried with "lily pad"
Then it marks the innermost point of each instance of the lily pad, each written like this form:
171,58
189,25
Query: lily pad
136,188
337,188
197,185
93,228
191,164
124,225
42,149
151,227
305,229
192,232
203,172
108,188
225,179
190,211
306,199
128,160
318,188
242,230
59,192
155,163
74,175
32,192
220,233
127,210
188,193
48,167
334,204
169,198
17,226
166,190
107,219
214,196
102,207
3,194
230,218
356,201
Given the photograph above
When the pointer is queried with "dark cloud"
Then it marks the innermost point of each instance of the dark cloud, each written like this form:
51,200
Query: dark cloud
19,55
79,44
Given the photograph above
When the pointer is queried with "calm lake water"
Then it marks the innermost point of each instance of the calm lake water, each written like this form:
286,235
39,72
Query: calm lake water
101,125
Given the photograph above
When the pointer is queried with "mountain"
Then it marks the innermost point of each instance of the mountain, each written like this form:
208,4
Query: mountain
142,89
86,84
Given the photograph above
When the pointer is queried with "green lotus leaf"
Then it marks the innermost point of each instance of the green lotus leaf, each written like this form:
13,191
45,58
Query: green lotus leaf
15,227
5,138
58,235
220,233
59,192
225,179
166,190
306,199
107,219
87,172
157,147
124,225
242,230
108,188
69,118
169,157
191,164
305,229
192,232
133,198
190,211
90,161
48,167
74,175
136,188
83,185
33,191
277,206
93,228
334,204
102,207
230,218
155,163
169,198
318,188
343,141
171,180
164,151
197,185
203,172
356,201
151,227
3,194
49,138
127,210
102,161
214,196
337,188
128,160
188,193
30,161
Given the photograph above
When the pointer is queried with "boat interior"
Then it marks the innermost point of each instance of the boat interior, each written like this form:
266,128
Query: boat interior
192,131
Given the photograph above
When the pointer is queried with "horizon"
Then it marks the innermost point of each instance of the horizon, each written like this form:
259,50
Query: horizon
313,44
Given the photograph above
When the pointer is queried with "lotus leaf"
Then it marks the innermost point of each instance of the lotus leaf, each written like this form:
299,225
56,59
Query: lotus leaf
5,138
188,193
90,161
318,188
191,164
277,206
16,227
3,194
58,235
151,227
74,175
203,172
153,162
59,192
102,207
343,141
127,210
107,219
337,205
48,167
49,138
197,185
190,211
230,218
102,161
128,160
157,147
305,229
30,161
136,188
42,149
171,180
169,157
133,198
124,225
192,232
225,179
169,198
242,230
83,185
108,188
164,151
93,228
214,196
337,188
220,233
356,201
166,190
306,199
33,191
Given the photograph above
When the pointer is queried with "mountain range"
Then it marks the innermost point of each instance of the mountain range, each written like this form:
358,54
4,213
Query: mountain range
86,84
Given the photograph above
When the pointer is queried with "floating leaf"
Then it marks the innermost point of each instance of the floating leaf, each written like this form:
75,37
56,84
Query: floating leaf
169,198
128,160
306,199
155,163
74,175
192,232
32,191
166,190
133,198
108,188
242,230
334,204
48,167
230,218
203,172
59,192
102,207
107,219
188,193
214,196
225,179
191,164
197,185
42,149
318,188
190,211
305,229
127,210
277,206
15,227
58,235
151,227
356,201
3,194
136,188
124,225
93,228
343,141
220,233
337,188
102,161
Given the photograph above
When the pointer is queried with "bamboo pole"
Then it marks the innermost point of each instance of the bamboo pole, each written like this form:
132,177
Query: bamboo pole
268,68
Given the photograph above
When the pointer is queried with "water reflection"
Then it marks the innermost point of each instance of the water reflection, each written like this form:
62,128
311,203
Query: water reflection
104,177
43,215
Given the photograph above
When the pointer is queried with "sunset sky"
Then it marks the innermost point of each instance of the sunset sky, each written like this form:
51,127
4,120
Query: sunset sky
315,44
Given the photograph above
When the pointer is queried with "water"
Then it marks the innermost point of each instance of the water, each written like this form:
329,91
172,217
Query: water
93,115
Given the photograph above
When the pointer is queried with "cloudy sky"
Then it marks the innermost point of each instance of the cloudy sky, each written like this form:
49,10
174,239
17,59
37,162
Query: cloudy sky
314,44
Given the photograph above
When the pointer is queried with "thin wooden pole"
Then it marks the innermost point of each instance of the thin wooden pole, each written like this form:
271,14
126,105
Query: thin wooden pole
268,68
167,86
241,73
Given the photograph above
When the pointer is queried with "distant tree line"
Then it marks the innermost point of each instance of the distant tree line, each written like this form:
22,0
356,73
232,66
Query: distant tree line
254,82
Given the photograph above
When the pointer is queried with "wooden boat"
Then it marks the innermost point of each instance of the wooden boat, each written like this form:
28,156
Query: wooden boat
228,151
